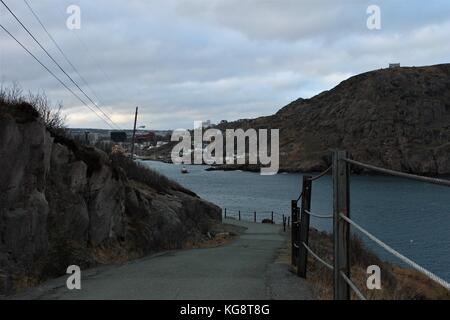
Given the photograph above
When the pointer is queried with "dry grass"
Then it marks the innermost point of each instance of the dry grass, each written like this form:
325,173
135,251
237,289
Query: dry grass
397,283
137,172
113,253
24,282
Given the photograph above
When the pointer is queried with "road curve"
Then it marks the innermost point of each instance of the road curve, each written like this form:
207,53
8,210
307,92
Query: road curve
244,269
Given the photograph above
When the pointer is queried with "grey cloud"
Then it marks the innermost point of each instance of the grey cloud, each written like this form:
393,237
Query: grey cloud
182,60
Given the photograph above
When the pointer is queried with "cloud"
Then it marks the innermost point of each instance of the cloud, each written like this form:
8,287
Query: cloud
186,60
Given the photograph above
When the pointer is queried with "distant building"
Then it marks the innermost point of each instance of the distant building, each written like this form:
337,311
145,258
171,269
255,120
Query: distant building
146,137
90,137
206,124
119,136
394,65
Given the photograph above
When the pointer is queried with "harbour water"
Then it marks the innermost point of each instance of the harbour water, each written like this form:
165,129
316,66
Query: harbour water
412,217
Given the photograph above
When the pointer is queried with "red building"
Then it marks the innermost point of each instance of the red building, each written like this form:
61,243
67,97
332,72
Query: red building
147,137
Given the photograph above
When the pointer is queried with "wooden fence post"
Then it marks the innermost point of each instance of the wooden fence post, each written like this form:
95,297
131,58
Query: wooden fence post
254,217
294,230
239,215
272,217
304,227
225,213
341,230
284,223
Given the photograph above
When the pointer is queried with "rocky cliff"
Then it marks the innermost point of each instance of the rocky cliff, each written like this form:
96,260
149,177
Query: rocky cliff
396,118
63,204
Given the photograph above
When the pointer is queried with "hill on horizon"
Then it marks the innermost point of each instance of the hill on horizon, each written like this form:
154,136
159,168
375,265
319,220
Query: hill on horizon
397,118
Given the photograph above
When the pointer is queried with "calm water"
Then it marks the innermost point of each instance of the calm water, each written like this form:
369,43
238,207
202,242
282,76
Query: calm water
413,217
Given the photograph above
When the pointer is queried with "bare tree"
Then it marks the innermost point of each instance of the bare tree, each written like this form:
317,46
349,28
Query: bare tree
11,94
51,115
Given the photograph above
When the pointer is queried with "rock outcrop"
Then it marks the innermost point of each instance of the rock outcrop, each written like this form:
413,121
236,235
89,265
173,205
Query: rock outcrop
396,118
62,204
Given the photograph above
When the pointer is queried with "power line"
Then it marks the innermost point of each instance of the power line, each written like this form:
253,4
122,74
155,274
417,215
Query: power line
61,50
58,65
99,68
53,74
93,60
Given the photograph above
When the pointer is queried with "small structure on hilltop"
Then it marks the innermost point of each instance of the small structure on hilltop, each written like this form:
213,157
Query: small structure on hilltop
394,65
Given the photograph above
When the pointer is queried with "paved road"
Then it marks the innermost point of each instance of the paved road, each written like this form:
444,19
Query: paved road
244,269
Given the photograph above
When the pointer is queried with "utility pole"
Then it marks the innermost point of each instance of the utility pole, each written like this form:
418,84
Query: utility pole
134,134
86,137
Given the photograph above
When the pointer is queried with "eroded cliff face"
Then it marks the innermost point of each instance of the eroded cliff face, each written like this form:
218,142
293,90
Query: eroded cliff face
60,207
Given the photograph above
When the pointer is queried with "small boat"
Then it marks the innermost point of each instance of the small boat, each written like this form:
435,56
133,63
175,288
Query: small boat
184,170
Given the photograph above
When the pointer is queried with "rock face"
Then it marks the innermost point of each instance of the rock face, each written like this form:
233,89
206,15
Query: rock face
395,118
60,207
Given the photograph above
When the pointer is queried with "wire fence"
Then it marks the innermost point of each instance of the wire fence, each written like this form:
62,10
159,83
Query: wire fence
394,252
431,180
341,226
320,216
255,215
316,256
383,245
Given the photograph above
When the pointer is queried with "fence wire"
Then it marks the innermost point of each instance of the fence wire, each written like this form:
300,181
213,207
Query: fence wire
386,247
353,286
312,214
406,260
258,213
321,175
326,264
437,181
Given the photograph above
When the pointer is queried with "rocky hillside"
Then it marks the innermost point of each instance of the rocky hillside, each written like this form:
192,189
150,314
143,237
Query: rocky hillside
396,118
62,203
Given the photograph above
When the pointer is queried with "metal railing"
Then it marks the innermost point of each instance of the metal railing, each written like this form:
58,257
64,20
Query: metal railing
254,216
340,169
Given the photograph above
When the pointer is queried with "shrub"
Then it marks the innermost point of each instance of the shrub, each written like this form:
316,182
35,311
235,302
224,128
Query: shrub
147,176
53,118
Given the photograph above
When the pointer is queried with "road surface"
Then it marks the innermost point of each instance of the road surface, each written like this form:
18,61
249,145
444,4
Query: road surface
245,269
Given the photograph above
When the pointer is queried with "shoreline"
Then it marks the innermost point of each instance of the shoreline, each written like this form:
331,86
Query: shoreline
255,169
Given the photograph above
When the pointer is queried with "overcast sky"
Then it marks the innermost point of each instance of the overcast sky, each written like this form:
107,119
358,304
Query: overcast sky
186,60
